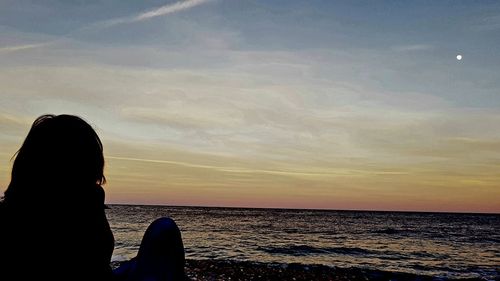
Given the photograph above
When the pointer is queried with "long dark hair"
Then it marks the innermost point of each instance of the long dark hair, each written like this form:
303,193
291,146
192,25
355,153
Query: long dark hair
61,155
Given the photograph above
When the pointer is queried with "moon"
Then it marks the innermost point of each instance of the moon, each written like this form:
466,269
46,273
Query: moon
459,57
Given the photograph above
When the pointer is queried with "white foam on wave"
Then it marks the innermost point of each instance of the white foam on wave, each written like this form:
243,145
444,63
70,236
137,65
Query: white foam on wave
118,258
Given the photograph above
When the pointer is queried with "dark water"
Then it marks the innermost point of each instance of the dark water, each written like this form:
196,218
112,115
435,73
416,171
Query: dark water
448,245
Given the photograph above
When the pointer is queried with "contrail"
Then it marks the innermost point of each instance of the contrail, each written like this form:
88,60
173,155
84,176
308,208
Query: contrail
164,162
169,9
16,48
160,11
247,171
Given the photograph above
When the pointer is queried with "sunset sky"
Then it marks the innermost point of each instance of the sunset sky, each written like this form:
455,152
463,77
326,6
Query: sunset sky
296,104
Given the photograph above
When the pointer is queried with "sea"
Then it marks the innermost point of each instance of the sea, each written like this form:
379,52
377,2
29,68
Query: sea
447,245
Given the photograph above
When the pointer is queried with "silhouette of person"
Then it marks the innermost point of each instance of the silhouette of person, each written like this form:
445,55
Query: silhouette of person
53,224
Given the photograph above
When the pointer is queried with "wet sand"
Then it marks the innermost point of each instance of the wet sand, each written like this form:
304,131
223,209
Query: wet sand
229,270
204,270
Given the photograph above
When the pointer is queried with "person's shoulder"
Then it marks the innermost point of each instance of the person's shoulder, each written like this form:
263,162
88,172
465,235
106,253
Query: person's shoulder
98,195
3,214
2,207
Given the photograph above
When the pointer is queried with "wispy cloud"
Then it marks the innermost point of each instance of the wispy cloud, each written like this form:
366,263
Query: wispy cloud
338,172
487,23
412,48
169,9
157,12
15,48
161,11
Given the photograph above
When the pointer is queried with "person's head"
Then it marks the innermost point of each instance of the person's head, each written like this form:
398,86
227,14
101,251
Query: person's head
61,155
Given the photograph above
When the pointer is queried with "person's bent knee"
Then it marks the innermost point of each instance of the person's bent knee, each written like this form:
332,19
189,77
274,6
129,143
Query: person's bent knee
162,227
162,238
164,224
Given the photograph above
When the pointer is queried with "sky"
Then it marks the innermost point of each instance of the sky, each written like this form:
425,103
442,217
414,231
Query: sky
359,105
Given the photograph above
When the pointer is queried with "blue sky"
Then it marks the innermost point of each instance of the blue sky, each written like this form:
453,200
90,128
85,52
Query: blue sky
353,104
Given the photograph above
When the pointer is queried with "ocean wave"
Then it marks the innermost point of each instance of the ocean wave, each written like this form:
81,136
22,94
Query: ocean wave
302,250
456,245
306,250
387,231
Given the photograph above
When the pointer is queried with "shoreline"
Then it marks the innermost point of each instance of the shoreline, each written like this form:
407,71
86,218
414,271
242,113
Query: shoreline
205,270
211,270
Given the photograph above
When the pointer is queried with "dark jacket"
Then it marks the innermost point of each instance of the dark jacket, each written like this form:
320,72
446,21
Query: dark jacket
70,240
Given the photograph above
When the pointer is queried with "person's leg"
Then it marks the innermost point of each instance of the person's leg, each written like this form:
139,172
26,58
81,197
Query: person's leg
124,271
161,254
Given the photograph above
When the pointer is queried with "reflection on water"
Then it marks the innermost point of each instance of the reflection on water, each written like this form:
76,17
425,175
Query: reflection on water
453,245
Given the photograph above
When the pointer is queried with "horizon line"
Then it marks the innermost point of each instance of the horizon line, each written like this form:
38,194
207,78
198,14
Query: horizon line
309,209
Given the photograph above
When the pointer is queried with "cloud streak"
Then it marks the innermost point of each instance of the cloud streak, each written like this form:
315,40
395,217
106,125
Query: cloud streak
412,48
158,12
15,48
236,170
169,9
